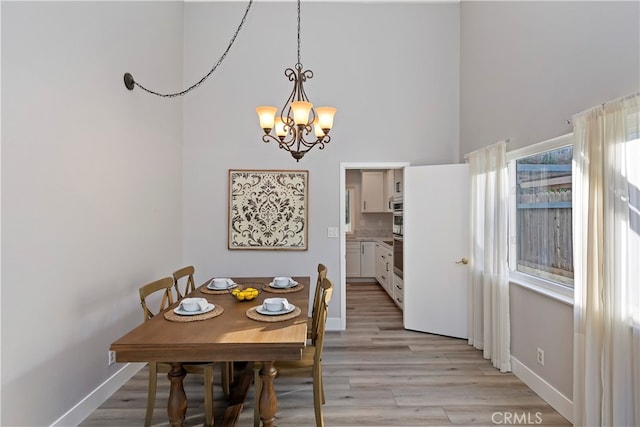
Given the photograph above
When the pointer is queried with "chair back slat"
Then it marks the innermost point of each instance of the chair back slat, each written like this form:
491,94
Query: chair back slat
317,337
327,286
322,274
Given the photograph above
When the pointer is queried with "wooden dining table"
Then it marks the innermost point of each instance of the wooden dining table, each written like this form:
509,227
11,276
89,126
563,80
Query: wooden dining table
230,336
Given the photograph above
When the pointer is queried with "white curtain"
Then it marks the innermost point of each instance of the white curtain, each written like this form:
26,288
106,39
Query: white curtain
606,235
489,326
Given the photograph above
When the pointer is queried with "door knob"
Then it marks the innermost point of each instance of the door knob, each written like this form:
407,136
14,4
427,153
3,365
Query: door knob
463,261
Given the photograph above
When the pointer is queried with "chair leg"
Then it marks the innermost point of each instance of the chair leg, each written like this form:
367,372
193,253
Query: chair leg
208,396
257,389
226,369
321,381
318,397
151,393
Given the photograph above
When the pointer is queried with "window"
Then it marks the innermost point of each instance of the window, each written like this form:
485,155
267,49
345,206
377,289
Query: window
348,203
541,245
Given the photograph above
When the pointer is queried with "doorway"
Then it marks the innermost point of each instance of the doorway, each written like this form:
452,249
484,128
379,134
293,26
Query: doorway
343,221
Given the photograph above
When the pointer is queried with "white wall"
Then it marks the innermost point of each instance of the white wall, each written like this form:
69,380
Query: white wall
392,71
526,68
91,190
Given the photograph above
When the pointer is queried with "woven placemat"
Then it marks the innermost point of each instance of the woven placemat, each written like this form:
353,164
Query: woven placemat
206,290
174,317
254,315
296,288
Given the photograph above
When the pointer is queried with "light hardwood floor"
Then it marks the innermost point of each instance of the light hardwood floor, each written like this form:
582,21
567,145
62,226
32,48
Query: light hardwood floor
375,374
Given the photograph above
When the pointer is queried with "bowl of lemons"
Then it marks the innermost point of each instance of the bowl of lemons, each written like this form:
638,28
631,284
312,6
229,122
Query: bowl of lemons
246,294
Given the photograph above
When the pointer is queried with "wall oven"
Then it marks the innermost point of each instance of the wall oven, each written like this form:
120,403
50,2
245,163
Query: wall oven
398,232
398,260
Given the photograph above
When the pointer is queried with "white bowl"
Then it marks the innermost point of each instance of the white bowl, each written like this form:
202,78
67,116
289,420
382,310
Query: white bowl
274,304
191,304
220,283
281,282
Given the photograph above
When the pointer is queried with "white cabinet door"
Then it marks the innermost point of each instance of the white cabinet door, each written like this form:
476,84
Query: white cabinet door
389,177
381,266
372,191
353,259
367,259
388,271
378,262
436,237
398,291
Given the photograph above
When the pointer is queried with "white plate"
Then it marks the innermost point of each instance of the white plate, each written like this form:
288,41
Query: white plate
180,311
260,309
291,284
213,288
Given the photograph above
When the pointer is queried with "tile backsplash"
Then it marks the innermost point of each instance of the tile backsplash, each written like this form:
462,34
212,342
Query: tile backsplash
379,232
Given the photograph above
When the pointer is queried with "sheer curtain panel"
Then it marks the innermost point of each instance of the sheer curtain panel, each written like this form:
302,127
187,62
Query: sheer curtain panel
489,326
606,380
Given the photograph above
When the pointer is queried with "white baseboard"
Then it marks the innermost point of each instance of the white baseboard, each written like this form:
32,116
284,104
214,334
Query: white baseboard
97,397
334,324
542,388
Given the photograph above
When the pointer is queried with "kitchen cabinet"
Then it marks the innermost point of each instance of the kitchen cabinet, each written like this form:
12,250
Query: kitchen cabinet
384,267
367,259
353,259
378,190
372,191
361,259
389,180
398,291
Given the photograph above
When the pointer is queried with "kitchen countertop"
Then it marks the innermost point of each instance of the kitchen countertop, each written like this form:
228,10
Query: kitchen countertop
387,241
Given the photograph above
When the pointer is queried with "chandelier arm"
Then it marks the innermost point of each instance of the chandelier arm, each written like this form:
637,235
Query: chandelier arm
129,81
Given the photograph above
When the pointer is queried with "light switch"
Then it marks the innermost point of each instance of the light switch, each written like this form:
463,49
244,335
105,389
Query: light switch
332,232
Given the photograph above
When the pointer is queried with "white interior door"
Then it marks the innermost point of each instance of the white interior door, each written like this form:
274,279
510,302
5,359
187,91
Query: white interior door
436,239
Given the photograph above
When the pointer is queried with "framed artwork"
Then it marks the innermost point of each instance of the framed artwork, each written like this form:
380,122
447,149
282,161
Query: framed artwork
268,209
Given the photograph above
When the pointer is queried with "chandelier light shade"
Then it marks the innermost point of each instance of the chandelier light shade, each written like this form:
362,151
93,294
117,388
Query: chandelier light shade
298,127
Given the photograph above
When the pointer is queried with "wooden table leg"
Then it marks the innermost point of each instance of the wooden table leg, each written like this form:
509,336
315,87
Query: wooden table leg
268,401
177,404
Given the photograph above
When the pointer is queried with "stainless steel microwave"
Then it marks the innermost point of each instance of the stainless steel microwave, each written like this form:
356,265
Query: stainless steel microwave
397,217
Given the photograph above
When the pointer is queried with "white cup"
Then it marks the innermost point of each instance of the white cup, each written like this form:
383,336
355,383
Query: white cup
274,304
281,282
220,283
191,304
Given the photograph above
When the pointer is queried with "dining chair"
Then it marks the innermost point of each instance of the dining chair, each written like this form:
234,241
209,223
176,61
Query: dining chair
190,286
312,321
310,365
165,286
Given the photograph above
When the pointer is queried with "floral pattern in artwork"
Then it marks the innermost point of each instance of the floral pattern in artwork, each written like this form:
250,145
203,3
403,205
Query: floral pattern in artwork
268,209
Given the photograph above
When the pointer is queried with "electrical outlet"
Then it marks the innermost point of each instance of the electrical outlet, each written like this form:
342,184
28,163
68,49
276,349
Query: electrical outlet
111,358
540,356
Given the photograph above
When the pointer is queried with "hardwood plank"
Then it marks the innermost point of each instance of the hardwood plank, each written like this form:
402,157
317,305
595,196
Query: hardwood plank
243,378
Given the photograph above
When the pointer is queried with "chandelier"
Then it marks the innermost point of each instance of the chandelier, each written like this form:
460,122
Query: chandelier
297,119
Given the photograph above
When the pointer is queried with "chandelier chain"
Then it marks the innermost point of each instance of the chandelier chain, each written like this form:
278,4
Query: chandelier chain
233,39
299,32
